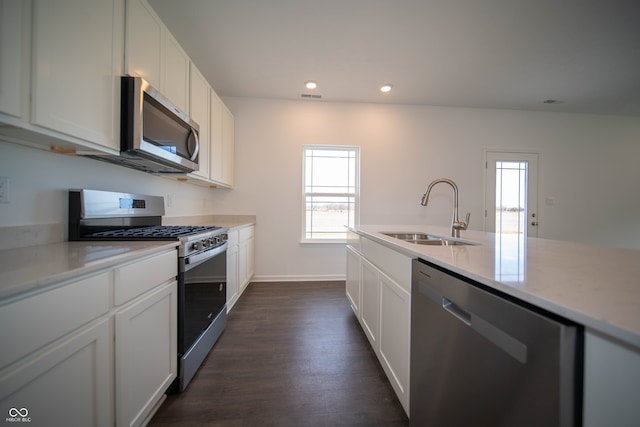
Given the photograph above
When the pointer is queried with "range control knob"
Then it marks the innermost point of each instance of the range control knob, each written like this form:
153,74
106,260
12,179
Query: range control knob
198,245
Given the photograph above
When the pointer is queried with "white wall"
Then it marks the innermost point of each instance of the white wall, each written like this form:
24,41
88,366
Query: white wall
40,181
588,164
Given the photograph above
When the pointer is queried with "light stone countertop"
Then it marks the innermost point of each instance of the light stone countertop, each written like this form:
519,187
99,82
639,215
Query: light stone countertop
33,268
596,286
28,266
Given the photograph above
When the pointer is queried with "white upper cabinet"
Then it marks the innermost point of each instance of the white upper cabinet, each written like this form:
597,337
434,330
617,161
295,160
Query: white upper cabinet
13,42
152,53
59,73
76,60
144,40
216,137
175,74
61,63
199,111
228,146
222,142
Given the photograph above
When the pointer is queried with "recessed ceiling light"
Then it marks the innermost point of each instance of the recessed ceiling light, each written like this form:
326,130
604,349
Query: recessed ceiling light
311,84
385,88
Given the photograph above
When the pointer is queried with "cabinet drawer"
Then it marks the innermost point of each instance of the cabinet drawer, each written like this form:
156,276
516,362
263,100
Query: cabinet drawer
394,264
33,322
137,278
246,233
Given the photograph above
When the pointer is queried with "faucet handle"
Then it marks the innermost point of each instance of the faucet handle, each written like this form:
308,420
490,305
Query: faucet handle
461,225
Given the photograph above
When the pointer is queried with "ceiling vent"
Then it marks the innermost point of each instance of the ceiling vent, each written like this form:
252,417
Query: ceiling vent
310,96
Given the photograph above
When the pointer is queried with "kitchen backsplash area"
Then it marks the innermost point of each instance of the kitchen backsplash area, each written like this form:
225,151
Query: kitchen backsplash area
39,182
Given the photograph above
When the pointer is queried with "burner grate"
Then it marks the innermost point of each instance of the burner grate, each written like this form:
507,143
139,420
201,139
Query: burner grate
163,231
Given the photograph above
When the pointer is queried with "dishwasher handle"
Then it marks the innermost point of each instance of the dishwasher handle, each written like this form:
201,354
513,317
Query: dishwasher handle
456,311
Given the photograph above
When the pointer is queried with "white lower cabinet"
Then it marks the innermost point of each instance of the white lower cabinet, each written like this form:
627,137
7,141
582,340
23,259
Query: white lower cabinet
245,256
145,353
240,262
370,309
379,294
232,276
67,384
395,327
98,350
611,382
352,285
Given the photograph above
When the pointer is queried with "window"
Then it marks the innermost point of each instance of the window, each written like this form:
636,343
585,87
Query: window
330,192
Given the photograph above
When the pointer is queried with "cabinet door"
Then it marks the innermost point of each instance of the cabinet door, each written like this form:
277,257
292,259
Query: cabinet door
199,111
228,146
395,321
13,42
611,379
352,287
143,49
242,265
175,75
232,276
250,258
67,384
370,308
215,141
76,54
146,353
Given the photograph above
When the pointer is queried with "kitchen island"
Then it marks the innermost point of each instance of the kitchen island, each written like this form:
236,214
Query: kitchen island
596,287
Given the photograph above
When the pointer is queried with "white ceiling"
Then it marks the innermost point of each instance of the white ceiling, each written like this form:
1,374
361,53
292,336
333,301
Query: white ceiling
511,54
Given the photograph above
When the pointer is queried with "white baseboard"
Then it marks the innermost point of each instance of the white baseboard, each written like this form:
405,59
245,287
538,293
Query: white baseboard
301,278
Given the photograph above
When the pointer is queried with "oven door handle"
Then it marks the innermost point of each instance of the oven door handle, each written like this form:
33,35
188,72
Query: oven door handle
194,260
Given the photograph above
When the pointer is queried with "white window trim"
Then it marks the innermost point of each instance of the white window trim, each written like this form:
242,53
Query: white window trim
356,214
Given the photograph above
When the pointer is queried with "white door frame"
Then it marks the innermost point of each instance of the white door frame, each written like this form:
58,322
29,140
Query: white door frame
532,158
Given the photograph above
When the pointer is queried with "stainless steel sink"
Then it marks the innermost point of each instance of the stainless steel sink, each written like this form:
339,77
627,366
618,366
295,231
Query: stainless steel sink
426,239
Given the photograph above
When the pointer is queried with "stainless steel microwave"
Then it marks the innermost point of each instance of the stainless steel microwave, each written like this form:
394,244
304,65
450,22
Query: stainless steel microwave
155,135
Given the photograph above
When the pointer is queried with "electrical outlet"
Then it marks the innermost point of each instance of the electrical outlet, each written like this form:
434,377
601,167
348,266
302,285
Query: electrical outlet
4,190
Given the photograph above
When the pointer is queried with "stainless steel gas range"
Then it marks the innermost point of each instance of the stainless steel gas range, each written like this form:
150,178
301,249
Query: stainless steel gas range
202,267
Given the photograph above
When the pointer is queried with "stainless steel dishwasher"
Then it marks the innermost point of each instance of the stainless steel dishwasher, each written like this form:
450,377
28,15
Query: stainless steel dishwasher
483,359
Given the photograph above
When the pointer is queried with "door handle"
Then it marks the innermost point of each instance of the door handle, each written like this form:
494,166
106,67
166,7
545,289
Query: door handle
456,311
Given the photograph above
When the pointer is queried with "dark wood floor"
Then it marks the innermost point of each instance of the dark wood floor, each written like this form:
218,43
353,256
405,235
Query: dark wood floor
292,354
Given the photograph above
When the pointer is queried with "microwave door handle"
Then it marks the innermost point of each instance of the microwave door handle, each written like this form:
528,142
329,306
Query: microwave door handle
193,135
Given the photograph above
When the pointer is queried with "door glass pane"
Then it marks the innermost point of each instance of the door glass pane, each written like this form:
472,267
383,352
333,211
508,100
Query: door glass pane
511,197
510,225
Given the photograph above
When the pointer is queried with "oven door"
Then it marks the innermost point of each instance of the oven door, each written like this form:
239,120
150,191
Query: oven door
202,294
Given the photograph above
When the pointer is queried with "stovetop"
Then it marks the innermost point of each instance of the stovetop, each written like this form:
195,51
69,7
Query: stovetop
160,232
107,215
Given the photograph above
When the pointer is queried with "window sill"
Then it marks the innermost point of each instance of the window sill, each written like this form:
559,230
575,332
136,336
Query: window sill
341,242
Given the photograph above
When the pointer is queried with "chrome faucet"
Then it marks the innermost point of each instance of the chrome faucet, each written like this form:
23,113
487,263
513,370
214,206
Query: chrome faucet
456,224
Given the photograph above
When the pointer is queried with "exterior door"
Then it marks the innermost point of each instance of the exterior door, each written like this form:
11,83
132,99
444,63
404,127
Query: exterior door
511,194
